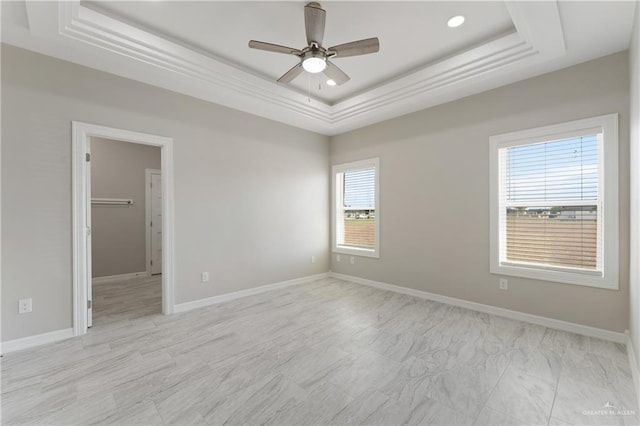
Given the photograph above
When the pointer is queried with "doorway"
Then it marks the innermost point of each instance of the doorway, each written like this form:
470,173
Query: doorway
82,134
121,285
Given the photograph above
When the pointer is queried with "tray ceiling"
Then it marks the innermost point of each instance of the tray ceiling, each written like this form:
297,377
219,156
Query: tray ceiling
412,34
200,49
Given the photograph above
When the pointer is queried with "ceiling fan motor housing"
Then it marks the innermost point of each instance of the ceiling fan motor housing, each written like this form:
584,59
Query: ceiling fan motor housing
314,58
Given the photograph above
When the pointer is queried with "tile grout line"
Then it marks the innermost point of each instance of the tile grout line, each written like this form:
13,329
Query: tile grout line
493,389
555,394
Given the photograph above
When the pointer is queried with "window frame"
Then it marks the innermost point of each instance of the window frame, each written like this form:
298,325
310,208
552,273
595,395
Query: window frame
607,194
336,194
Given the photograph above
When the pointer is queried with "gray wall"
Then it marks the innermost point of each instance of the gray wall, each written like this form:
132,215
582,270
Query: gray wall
634,277
434,192
251,195
118,232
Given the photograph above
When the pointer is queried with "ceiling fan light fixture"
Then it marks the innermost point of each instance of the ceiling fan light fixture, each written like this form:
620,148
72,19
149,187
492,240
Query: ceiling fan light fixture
314,64
314,58
455,21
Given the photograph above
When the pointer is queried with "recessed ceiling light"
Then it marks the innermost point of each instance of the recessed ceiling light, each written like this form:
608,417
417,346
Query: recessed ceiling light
456,21
331,82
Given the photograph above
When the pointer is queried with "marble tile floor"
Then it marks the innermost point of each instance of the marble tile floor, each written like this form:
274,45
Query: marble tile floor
127,299
326,352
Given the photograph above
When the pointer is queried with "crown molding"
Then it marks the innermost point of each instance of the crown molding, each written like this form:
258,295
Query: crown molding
538,38
490,56
71,31
88,26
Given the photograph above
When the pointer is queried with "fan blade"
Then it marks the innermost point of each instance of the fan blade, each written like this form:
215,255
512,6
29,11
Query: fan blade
336,74
314,19
291,74
270,47
355,48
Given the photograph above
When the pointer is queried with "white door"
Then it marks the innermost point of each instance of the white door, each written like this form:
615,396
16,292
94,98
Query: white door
156,222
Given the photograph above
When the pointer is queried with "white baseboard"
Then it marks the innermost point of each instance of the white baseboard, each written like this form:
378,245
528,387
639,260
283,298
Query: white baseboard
111,278
37,340
187,306
635,368
494,310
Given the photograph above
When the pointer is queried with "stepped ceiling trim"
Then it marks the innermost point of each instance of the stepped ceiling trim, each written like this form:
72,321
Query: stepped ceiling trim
105,43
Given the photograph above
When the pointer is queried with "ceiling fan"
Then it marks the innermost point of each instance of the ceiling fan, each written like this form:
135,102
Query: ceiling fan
314,58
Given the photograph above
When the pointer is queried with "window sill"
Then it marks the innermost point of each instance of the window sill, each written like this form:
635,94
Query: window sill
355,251
575,278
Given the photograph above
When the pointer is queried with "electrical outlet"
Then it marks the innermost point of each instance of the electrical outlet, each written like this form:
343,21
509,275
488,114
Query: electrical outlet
24,306
338,257
205,277
353,260
504,284
313,259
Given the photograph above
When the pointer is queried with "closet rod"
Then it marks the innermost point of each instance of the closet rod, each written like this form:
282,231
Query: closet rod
112,201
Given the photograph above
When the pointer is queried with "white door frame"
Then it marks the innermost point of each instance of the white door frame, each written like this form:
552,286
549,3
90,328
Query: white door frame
81,132
147,215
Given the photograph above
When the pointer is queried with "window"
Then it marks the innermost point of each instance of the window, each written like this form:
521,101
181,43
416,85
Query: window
356,217
554,203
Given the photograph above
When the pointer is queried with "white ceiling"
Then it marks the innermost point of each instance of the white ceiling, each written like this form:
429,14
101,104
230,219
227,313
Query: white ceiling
200,49
412,34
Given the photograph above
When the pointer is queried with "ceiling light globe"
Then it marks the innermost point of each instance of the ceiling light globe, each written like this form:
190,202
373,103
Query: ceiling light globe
456,21
314,65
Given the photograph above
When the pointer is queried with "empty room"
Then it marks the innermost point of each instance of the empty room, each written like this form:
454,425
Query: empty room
320,213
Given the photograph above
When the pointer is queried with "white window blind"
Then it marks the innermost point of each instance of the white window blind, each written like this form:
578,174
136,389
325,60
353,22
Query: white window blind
356,217
358,208
554,203
550,215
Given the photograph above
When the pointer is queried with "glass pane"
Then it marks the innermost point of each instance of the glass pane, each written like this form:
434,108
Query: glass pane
556,236
561,170
359,208
359,228
360,189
